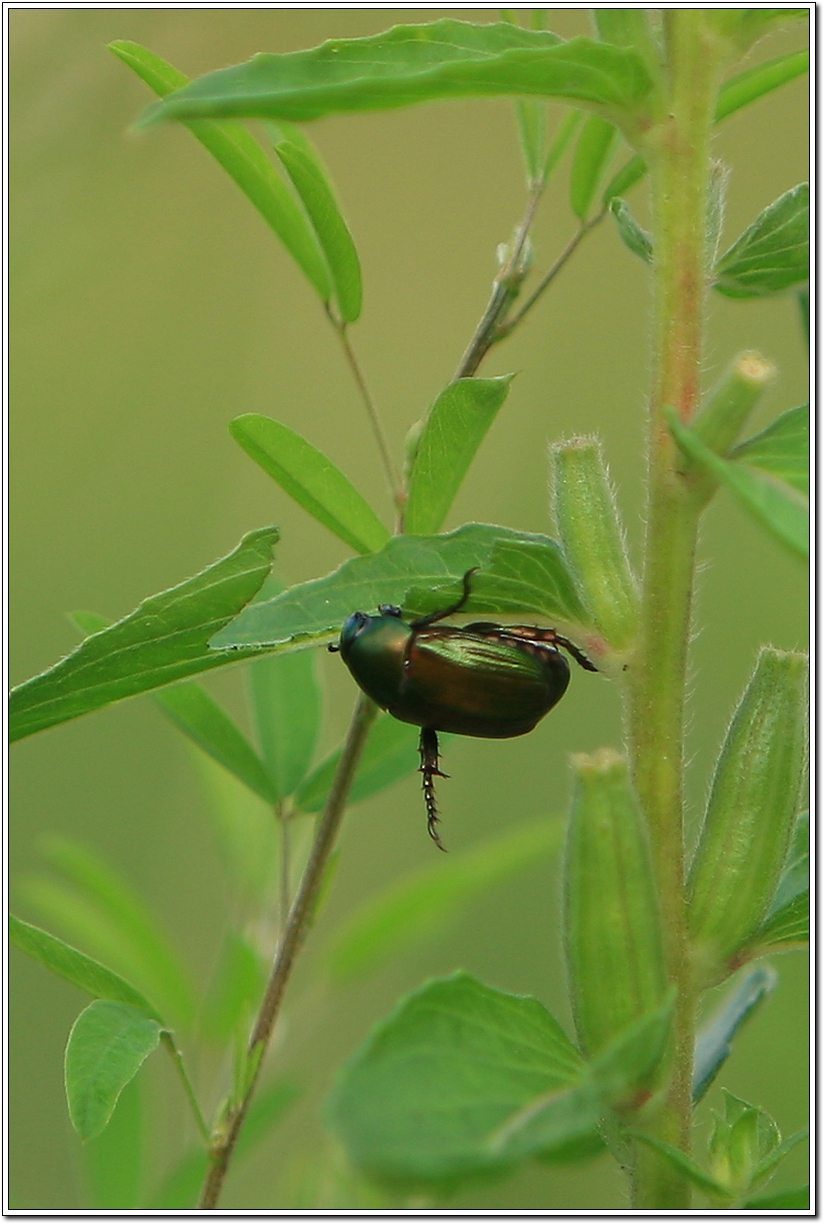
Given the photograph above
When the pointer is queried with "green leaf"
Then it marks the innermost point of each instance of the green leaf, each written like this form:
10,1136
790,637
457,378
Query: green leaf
416,63
519,572
391,753
633,236
788,919
199,716
163,640
627,177
566,130
114,1160
683,1164
247,835
428,1098
625,1070
108,1044
311,479
245,161
745,26
782,449
333,233
286,705
776,505
773,253
713,1044
591,156
531,118
111,916
753,84
627,27
795,1199
83,972
454,428
419,904
787,926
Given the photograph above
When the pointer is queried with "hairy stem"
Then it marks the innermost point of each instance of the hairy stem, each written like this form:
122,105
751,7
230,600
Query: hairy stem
678,153
300,918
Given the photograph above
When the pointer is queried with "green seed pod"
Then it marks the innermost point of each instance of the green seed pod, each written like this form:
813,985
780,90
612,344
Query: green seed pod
590,529
749,819
613,938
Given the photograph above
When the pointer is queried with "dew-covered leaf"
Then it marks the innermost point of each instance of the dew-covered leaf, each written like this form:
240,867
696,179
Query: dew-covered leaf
163,640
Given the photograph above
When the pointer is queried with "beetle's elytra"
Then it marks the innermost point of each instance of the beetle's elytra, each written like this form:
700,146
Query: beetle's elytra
484,679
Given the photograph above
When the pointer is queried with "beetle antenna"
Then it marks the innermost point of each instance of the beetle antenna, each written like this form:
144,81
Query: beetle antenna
450,611
578,655
428,748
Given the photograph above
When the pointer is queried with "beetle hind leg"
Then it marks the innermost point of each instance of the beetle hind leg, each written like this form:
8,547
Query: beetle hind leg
428,748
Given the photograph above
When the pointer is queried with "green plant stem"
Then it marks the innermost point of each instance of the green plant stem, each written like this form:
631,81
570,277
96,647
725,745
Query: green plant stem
395,483
177,1058
300,918
569,250
504,292
678,151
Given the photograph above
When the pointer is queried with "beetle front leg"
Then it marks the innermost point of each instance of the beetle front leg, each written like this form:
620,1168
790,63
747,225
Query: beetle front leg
428,748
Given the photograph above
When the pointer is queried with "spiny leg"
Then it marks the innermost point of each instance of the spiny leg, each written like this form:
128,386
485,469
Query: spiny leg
578,655
428,748
455,607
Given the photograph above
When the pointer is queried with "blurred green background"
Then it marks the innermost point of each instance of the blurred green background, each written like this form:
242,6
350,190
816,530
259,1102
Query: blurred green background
150,305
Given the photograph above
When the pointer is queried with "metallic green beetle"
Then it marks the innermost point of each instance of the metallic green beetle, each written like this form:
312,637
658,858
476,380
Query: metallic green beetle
487,680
